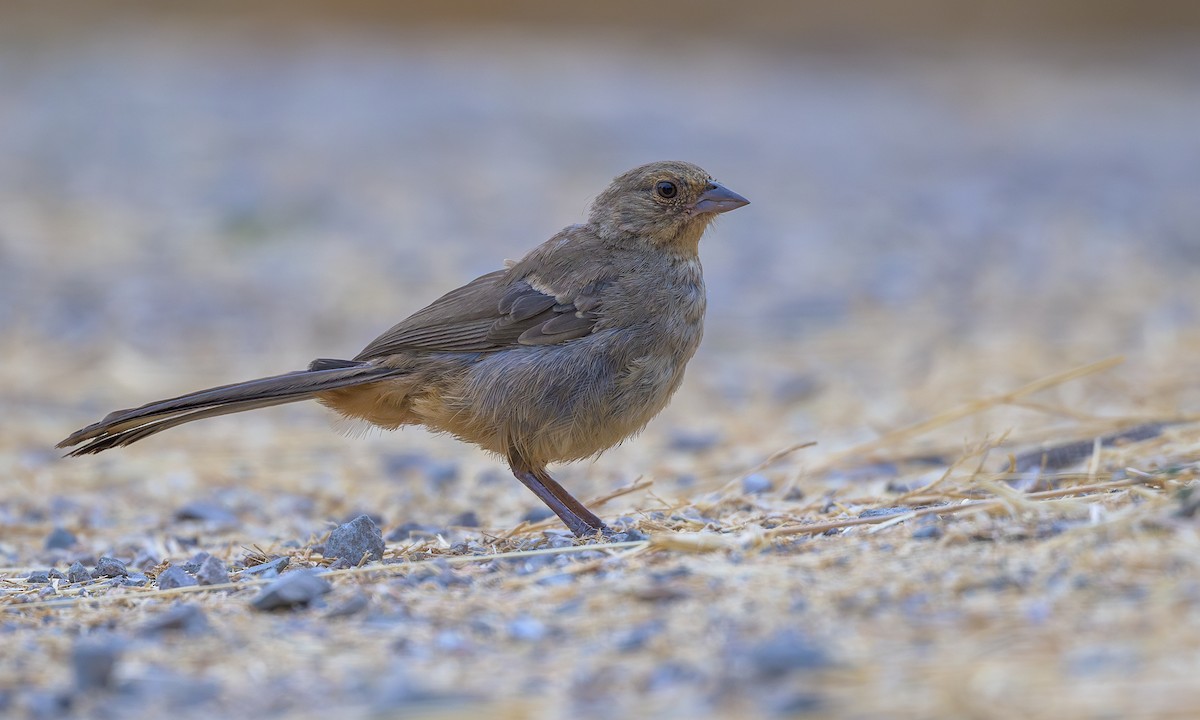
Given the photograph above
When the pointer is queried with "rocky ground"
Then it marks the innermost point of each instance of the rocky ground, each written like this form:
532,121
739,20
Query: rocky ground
936,456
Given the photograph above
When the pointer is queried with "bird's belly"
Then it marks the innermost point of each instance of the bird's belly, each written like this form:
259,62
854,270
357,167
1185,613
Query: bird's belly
563,402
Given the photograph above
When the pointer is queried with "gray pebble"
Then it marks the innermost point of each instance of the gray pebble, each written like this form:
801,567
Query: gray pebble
787,652
145,561
884,512
795,389
295,589
206,511
109,567
400,464
174,577
559,541
92,663
359,537
928,532
269,569
692,440
629,535
537,514
212,572
60,539
350,606
468,519
78,573
756,484
441,473
38,577
197,560
183,617
56,574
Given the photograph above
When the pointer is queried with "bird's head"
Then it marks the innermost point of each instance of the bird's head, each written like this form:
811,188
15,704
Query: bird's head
668,204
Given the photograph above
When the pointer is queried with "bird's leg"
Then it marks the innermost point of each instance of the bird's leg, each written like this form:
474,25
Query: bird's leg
574,515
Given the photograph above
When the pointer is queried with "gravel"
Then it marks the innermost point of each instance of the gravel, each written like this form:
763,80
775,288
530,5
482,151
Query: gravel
212,572
110,567
358,538
78,573
298,588
174,577
60,539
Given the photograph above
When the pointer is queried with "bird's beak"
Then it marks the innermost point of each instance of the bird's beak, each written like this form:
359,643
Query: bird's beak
718,199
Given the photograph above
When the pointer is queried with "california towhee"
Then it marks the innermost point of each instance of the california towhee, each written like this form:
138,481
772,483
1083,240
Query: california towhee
558,357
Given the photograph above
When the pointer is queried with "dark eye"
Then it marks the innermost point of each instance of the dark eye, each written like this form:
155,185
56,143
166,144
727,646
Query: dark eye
666,189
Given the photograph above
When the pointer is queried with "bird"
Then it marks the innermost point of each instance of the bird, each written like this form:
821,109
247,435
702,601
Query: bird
553,358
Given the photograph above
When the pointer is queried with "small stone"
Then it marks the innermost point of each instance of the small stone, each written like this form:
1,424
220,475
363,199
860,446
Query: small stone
38,577
78,573
788,652
883,512
692,440
756,484
110,567
400,464
212,572
526,628
269,569
197,560
628,535
928,532
467,519
441,473
56,574
92,662
60,539
295,589
174,577
794,389
183,617
206,511
145,561
357,538
537,514
350,606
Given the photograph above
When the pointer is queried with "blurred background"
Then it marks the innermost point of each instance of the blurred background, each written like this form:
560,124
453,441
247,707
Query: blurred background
947,197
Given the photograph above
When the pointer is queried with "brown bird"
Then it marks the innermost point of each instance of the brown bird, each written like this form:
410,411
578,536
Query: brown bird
557,357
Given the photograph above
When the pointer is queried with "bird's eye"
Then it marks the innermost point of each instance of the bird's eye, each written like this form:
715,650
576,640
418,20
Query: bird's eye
666,189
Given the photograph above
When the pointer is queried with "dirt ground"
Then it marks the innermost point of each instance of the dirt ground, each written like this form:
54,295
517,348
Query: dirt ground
936,457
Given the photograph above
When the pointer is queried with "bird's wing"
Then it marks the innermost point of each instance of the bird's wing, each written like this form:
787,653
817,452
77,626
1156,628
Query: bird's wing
491,313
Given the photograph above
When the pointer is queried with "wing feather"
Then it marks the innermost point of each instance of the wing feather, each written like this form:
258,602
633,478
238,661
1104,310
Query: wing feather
491,313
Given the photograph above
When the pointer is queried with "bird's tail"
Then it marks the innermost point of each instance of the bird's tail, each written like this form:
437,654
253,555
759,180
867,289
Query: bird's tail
123,427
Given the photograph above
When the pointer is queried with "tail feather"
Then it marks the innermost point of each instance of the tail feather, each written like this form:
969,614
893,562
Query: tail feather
123,427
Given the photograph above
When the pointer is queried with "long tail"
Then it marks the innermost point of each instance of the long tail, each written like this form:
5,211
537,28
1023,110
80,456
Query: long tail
123,427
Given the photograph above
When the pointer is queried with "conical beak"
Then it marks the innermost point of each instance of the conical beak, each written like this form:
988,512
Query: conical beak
719,199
